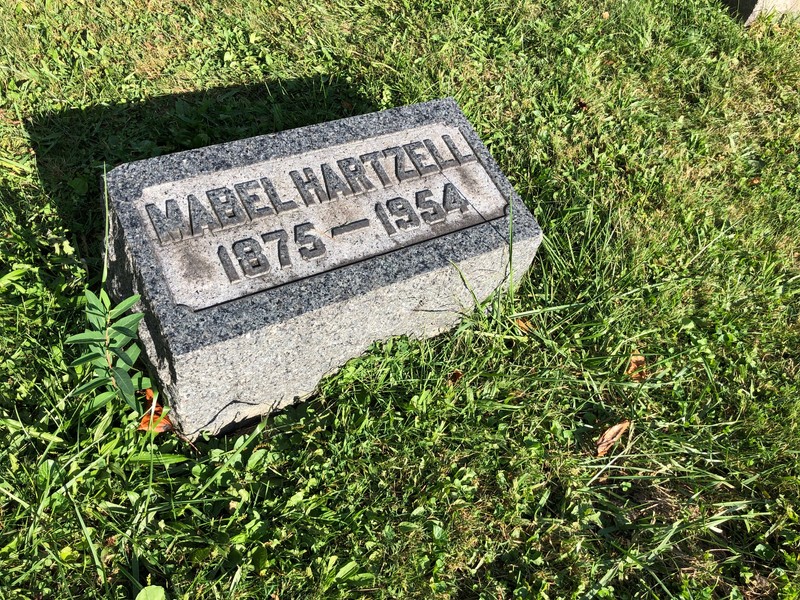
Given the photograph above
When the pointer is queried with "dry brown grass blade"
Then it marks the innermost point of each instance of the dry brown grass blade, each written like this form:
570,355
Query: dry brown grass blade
610,437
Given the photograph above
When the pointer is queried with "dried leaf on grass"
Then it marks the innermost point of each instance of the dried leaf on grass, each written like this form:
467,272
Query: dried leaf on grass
455,377
524,326
153,419
610,437
637,367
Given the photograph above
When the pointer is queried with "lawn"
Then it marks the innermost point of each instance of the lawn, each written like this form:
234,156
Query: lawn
658,144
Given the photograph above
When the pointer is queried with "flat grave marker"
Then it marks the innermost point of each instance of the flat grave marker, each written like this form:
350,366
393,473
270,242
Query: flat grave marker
265,264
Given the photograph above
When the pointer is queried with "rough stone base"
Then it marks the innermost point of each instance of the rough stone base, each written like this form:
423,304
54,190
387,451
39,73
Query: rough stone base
283,362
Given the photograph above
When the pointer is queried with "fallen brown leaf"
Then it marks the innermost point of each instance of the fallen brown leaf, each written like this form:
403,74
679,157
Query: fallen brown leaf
524,326
455,376
152,419
610,437
637,367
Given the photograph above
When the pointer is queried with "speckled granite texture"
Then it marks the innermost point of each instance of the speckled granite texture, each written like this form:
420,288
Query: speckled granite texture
774,7
244,358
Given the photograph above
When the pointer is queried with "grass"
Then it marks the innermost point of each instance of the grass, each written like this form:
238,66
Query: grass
658,146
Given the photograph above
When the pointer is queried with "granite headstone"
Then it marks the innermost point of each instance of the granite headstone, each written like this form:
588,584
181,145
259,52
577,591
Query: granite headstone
265,264
749,10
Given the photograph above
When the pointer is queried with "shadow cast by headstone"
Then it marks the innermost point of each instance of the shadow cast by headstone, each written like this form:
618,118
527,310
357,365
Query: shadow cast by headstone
740,9
74,146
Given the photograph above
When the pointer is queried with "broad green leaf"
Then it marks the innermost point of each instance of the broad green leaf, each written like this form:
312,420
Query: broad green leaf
93,302
140,382
125,385
295,500
438,532
119,339
96,320
68,555
87,337
256,458
95,313
122,335
128,322
12,276
123,306
105,299
91,385
347,571
152,592
97,402
122,355
133,353
85,358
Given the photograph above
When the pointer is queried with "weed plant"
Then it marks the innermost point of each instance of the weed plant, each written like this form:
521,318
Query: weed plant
657,143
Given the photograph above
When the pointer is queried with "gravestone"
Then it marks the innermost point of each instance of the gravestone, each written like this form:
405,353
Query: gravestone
749,10
265,264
